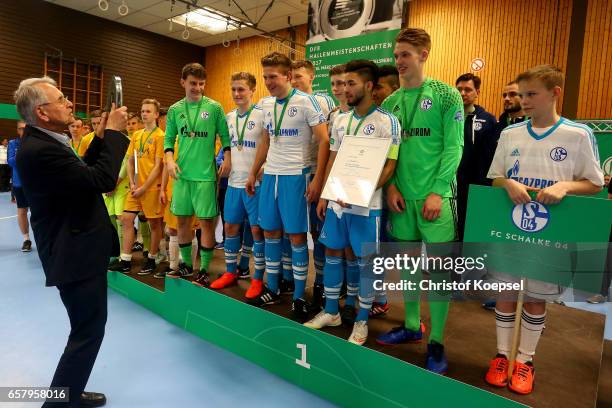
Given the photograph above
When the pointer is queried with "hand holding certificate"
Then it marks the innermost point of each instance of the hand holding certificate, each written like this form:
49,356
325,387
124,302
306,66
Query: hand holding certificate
355,173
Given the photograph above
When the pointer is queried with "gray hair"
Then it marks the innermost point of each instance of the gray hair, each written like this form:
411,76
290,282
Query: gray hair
28,96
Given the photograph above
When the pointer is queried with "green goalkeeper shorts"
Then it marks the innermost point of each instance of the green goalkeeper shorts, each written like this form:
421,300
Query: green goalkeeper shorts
410,225
194,197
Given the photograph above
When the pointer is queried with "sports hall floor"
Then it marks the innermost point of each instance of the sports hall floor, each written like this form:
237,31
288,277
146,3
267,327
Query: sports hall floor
146,361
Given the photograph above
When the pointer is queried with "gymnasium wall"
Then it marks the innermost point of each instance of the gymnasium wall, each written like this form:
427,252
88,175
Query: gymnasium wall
149,64
222,62
510,35
595,100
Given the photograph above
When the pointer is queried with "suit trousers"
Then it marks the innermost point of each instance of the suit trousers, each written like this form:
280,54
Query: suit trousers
86,304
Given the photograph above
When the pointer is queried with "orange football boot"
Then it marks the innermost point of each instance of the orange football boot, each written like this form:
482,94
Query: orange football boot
497,375
522,379
227,279
255,289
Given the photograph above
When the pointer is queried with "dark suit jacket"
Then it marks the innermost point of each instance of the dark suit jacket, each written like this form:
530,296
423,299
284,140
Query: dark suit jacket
73,233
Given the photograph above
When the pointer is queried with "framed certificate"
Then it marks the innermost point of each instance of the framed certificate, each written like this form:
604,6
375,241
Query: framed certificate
356,170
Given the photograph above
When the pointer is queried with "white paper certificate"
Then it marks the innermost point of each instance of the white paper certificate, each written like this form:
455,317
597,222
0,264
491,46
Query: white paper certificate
356,170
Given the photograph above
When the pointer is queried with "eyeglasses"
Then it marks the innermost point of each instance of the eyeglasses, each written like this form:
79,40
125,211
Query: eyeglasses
510,94
62,100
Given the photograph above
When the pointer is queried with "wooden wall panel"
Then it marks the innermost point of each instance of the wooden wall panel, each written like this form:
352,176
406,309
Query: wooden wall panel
510,35
222,62
595,100
149,64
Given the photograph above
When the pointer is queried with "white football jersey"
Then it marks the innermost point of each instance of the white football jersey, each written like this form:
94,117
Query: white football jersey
379,123
243,158
539,158
327,105
289,152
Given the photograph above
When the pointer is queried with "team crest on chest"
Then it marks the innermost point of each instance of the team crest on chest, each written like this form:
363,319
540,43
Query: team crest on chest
369,129
292,111
204,115
558,154
477,126
426,104
250,125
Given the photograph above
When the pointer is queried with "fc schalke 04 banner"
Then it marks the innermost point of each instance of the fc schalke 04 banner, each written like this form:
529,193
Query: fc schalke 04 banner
342,30
564,244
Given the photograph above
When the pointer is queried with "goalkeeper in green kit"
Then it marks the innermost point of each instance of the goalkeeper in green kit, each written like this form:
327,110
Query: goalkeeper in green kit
420,195
196,121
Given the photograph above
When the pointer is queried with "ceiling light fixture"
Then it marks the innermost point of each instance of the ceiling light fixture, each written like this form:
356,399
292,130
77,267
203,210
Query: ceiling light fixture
206,21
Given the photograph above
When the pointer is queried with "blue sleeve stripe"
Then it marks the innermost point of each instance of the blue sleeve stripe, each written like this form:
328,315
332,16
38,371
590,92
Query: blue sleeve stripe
314,102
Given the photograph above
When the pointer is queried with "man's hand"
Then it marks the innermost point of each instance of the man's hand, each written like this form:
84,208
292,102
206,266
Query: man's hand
162,197
395,201
260,174
432,207
518,192
226,166
553,194
173,169
132,186
342,203
138,192
250,185
115,120
313,190
321,209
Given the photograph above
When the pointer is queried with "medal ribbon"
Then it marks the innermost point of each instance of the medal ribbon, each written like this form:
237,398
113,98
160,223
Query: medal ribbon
348,127
241,133
277,124
189,122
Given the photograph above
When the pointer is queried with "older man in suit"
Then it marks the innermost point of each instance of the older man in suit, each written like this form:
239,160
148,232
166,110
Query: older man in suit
68,217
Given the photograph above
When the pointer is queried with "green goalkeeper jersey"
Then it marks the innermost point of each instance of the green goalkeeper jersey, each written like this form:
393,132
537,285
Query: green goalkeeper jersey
196,124
431,118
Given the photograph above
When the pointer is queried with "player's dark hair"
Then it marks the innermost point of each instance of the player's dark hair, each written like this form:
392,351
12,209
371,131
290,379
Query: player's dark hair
366,69
337,69
276,59
469,77
194,69
390,72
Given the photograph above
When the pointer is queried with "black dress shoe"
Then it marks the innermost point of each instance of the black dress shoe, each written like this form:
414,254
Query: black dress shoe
93,399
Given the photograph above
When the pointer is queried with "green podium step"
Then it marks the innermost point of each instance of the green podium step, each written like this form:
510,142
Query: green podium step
323,364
